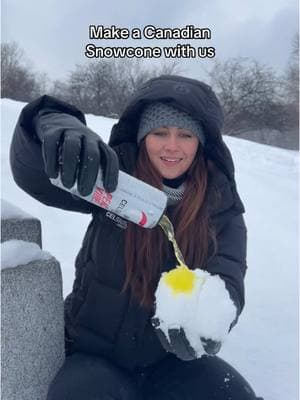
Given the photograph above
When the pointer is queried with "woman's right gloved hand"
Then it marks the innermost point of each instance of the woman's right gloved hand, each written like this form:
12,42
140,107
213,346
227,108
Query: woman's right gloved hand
177,343
76,152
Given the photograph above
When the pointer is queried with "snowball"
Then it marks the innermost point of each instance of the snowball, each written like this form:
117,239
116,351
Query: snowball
204,311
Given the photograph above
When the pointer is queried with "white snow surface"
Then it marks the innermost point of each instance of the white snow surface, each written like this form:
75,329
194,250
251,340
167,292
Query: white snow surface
263,346
9,211
19,252
207,311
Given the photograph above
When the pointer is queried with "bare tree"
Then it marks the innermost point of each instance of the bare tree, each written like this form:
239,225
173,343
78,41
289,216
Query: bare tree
292,84
292,73
291,93
103,87
18,82
249,93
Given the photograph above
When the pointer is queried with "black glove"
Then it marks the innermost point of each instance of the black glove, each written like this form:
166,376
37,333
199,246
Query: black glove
74,150
178,344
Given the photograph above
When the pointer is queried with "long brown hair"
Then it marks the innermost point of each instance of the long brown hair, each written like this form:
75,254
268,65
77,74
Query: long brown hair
146,249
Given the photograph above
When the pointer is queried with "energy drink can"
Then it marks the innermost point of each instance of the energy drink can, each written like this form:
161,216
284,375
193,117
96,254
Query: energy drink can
133,199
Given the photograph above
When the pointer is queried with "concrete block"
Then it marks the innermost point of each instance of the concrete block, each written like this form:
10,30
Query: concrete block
32,329
32,317
17,224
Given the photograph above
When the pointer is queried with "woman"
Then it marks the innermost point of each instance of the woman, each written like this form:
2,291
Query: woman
169,136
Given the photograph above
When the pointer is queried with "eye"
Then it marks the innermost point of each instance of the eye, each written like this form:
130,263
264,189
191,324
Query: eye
159,133
186,135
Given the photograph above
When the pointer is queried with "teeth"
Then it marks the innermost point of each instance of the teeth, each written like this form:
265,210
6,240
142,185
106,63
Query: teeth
171,159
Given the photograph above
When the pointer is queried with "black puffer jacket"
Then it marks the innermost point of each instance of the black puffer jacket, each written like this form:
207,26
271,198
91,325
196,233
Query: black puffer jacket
99,320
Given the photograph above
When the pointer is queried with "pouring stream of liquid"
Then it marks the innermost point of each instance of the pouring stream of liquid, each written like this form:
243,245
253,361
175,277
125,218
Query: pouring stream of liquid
168,229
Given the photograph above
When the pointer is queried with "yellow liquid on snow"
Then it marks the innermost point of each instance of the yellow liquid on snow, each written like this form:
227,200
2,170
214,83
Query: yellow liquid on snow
180,279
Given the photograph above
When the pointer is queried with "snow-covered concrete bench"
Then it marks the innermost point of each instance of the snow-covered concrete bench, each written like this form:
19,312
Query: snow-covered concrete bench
32,329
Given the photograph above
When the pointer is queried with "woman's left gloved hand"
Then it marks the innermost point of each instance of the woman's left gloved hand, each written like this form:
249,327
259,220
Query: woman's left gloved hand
178,344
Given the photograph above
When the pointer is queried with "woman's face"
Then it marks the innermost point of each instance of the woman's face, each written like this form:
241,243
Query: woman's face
171,150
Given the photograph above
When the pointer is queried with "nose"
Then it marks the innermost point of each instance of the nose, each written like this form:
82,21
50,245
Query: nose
171,143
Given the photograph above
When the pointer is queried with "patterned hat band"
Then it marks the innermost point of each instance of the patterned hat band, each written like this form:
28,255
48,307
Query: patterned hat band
157,115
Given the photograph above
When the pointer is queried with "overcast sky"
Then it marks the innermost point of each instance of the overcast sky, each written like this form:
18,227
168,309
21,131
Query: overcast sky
54,33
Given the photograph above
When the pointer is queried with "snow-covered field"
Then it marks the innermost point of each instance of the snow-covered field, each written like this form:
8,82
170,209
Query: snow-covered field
264,344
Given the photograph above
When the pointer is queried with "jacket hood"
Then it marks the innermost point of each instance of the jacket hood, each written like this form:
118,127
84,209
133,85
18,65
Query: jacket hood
189,95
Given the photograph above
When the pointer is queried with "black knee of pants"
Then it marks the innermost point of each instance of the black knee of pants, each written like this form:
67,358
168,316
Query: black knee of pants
208,378
85,377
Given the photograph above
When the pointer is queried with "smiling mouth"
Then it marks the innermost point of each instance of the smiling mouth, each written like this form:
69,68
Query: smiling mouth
171,160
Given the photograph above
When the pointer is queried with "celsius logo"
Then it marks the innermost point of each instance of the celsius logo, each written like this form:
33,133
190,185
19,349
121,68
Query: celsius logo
121,205
117,220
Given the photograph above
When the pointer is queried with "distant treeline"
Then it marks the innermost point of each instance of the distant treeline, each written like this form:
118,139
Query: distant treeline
259,104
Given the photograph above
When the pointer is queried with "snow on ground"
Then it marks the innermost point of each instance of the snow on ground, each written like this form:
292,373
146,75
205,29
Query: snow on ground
9,211
264,344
